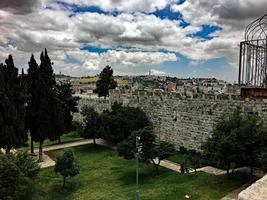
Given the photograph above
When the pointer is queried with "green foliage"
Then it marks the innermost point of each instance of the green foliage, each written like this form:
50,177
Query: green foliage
119,123
92,124
27,164
12,106
41,107
106,82
237,140
66,165
50,105
65,105
12,181
151,150
192,160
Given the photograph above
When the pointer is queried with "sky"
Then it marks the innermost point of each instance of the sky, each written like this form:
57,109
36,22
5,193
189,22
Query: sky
182,38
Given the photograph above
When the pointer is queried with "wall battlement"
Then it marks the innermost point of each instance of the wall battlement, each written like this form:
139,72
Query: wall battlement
182,120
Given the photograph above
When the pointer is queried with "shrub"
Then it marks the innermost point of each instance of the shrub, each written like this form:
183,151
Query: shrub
12,181
27,164
151,150
66,165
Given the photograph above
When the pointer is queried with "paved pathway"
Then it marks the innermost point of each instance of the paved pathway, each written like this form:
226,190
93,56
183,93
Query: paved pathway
234,194
170,165
48,162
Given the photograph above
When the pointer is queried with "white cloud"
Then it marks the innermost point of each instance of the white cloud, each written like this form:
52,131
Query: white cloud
123,5
28,28
119,60
157,72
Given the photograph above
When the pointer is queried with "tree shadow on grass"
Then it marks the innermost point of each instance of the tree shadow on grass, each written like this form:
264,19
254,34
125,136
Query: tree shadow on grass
147,174
57,192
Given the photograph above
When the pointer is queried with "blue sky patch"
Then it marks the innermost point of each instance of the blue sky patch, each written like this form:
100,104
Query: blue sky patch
166,13
206,31
94,49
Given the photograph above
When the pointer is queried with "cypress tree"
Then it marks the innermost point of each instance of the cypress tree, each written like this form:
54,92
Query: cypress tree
42,104
32,79
106,82
12,107
46,101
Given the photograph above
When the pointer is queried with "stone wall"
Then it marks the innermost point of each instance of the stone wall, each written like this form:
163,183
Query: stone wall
182,120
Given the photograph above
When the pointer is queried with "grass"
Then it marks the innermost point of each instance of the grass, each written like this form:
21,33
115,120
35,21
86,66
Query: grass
105,176
69,137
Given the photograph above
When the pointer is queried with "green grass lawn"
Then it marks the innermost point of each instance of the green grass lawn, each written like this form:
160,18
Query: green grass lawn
69,137
105,176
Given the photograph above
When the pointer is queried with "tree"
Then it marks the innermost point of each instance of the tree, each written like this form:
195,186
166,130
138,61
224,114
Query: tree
151,150
66,105
66,165
192,160
92,124
16,173
237,140
121,121
32,80
26,163
106,82
42,105
12,107
12,181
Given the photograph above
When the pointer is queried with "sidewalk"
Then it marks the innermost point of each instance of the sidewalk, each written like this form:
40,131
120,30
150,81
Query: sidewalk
48,162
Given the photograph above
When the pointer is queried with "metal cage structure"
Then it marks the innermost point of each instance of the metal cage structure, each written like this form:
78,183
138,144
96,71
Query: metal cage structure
253,55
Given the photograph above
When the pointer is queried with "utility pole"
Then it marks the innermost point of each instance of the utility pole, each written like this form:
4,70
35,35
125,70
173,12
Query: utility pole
138,150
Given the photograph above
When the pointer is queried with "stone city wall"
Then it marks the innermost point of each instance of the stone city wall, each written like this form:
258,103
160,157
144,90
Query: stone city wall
182,120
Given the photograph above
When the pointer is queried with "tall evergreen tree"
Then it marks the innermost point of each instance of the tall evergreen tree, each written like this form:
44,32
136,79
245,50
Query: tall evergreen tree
32,80
106,81
12,107
42,103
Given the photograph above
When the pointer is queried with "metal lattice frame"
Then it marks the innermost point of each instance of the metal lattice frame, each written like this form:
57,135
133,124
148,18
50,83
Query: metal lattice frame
253,55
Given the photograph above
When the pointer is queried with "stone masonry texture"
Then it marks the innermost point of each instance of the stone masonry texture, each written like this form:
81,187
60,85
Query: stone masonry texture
182,120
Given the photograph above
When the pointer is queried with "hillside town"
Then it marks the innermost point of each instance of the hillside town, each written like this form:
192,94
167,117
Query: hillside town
189,86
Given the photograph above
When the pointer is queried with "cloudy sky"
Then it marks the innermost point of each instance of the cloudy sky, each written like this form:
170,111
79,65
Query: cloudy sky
183,38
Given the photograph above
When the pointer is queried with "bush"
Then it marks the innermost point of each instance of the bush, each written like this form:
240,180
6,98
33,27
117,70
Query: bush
27,165
151,150
12,180
66,165
193,160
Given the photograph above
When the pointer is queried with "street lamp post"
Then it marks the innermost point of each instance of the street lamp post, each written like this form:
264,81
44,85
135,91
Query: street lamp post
138,150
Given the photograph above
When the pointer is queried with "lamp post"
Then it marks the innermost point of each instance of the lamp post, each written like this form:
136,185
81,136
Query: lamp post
138,150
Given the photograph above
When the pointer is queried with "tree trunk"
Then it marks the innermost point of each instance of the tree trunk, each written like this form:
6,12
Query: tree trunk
40,152
228,170
64,182
233,170
94,141
8,150
195,171
156,166
32,152
59,141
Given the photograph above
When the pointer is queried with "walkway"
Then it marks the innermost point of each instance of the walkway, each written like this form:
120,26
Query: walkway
48,162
